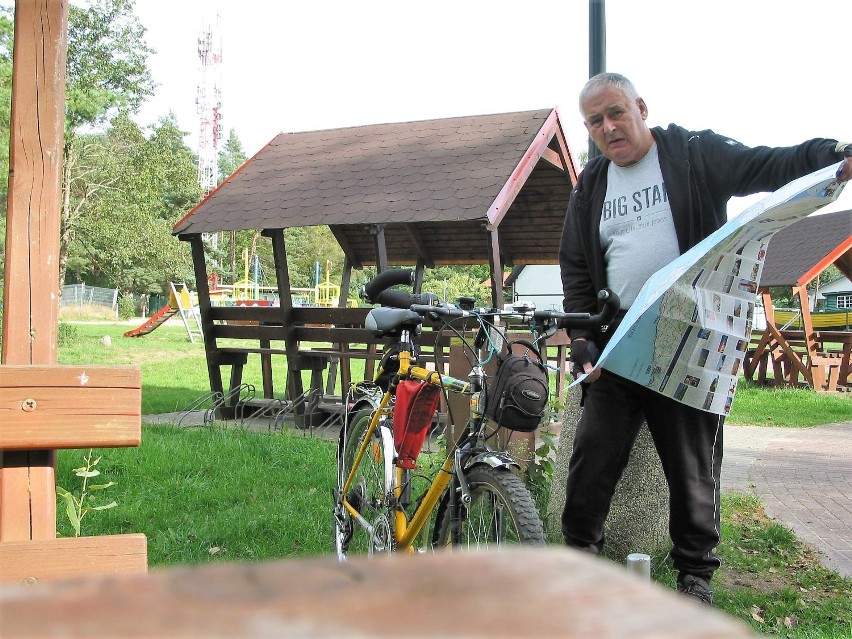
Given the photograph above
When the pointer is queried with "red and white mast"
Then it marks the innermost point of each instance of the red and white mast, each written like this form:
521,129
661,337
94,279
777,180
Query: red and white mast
209,106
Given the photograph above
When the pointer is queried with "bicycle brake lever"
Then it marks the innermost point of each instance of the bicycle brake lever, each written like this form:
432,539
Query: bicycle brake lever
549,332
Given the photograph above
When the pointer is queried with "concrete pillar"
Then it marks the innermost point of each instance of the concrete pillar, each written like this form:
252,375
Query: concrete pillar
639,516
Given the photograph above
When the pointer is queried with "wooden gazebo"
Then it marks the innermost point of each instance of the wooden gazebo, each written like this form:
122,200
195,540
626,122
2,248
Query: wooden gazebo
469,190
795,257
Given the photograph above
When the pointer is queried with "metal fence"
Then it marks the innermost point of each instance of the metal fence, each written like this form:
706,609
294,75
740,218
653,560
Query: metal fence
80,295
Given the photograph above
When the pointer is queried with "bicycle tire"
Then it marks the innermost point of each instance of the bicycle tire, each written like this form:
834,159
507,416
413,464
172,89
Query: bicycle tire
370,492
501,512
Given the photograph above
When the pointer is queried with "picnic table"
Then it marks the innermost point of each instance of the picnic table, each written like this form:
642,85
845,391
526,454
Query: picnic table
820,360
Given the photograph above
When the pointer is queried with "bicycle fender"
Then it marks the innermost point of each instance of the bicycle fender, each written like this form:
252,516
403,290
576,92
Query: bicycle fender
493,459
365,399
389,453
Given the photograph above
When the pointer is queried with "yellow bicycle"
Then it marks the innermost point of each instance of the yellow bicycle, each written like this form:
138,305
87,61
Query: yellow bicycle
388,496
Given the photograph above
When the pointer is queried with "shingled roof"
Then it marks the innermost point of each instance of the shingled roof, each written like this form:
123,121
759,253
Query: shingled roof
800,252
434,186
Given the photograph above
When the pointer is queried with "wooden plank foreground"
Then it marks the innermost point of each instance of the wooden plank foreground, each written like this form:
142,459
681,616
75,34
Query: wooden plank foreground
69,407
31,562
551,592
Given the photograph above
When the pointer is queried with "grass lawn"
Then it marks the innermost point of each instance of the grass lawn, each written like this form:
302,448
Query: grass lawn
216,494
202,494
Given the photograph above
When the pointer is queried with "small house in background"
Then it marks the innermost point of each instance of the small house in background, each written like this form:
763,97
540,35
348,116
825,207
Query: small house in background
835,295
540,284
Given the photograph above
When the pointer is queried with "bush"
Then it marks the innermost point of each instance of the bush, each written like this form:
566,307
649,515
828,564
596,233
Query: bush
126,306
69,334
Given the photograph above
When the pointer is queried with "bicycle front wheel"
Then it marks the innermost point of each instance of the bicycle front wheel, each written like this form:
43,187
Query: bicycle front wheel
370,492
501,512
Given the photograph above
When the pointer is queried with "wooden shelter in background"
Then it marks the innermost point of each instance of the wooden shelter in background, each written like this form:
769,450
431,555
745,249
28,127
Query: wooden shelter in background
488,189
795,257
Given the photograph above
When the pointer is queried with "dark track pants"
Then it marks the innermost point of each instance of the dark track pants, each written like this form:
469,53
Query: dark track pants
689,443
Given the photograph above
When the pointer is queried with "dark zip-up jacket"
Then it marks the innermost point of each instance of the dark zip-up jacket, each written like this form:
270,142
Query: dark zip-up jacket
701,170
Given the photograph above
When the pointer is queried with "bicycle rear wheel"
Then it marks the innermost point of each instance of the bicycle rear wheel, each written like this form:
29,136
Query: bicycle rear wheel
501,512
370,492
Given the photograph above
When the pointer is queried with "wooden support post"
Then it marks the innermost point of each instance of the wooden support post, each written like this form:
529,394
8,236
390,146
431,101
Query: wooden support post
378,231
343,363
31,295
285,309
418,276
496,266
211,349
266,370
43,406
810,343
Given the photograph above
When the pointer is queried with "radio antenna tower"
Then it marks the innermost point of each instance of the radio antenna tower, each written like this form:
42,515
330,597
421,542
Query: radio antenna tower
209,106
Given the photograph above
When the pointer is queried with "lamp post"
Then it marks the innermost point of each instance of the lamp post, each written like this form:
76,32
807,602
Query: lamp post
597,50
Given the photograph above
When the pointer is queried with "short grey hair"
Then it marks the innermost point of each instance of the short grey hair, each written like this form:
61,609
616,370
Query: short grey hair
608,80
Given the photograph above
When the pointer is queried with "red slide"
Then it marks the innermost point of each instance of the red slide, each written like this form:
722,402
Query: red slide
153,322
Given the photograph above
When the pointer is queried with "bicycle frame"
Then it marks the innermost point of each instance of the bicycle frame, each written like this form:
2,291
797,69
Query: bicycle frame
405,530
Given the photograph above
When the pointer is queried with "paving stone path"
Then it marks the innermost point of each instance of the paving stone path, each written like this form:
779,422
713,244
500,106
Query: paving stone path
803,476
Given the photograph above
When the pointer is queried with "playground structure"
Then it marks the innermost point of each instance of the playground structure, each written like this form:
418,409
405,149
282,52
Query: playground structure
254,292
182,303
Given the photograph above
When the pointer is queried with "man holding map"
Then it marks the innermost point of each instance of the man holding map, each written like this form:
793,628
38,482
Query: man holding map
652,196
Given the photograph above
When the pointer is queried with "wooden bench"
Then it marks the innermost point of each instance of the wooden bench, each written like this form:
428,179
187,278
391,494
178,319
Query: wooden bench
312,343
825,371
56,407
791,363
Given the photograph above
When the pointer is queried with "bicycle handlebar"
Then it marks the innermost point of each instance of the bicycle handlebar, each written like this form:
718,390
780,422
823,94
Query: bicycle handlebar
442,309
611,304
542,319
384,280
376,292
402,299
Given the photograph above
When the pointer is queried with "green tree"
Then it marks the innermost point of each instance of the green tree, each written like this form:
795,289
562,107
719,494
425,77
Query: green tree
107,62
107,73
145,184
231,157
307,245
451,282
6,31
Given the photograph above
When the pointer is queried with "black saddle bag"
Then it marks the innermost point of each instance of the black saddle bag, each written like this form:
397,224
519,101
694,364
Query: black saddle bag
517,396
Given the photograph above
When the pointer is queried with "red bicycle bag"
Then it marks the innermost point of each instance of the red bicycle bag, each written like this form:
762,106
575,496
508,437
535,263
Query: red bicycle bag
415,406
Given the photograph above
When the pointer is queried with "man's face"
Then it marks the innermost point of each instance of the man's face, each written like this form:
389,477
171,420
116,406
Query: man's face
617,125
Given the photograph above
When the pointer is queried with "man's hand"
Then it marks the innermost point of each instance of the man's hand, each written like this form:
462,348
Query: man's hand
584,354
844,173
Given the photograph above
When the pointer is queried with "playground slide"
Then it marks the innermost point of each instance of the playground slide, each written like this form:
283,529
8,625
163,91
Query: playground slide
153,322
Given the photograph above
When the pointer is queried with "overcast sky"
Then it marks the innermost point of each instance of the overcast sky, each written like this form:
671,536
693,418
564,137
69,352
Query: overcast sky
772,72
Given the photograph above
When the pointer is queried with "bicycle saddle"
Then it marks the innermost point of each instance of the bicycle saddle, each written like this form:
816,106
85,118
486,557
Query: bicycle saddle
384,321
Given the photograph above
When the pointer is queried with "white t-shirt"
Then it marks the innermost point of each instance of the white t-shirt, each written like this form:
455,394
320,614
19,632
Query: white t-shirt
637,230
